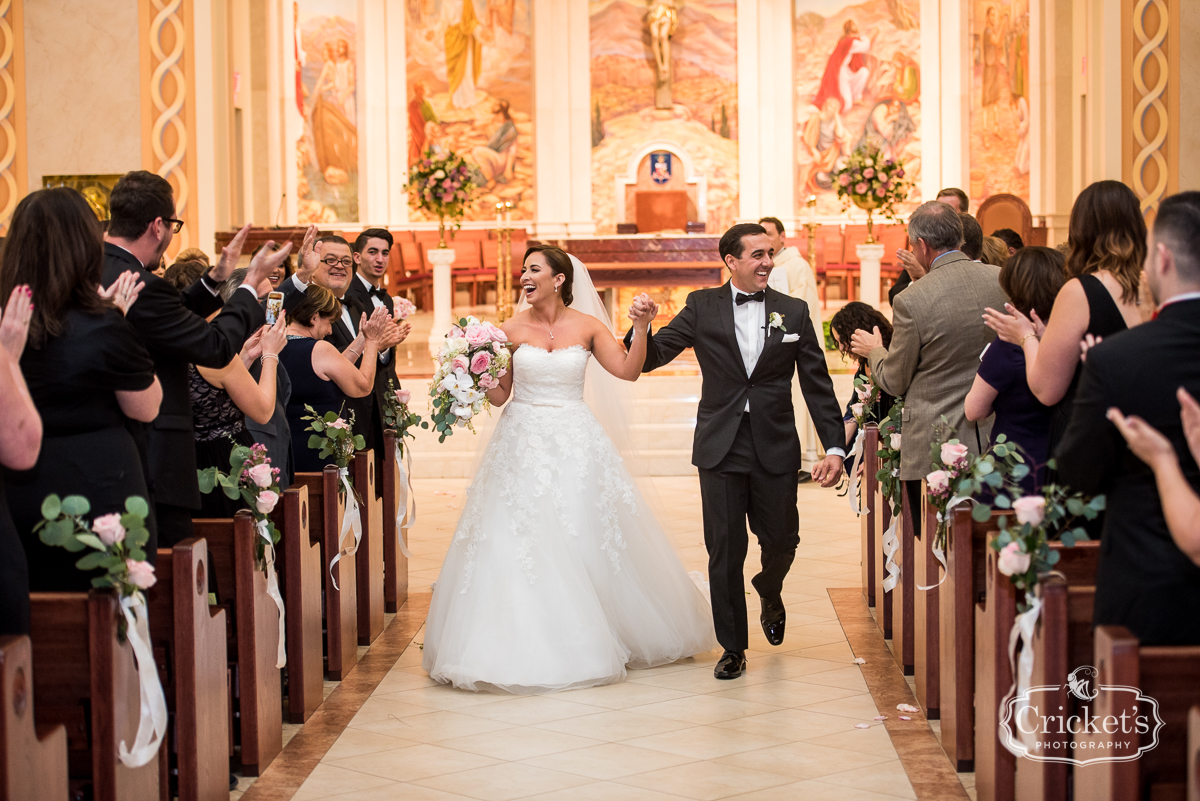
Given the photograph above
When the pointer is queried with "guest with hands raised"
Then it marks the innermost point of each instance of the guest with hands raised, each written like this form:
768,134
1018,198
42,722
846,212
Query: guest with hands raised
174,329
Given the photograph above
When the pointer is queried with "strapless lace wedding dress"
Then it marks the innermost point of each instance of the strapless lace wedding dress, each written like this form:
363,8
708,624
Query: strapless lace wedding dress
558,576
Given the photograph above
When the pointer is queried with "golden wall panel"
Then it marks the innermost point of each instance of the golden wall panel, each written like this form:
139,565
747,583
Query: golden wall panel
1150,99
12,111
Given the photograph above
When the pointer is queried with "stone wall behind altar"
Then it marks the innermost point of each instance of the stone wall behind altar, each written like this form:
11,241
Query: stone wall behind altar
701,130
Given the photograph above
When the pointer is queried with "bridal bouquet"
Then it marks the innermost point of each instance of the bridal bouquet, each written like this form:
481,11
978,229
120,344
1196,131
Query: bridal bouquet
472,360
256,482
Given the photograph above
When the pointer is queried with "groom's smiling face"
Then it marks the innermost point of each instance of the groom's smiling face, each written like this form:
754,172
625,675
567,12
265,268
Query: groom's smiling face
751,270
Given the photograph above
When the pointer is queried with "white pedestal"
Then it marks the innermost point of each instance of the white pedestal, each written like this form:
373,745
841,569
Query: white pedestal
869,259
443,296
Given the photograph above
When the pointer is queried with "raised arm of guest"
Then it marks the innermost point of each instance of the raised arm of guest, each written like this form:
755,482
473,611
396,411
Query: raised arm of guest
1181,504
356,382
254,399
21,435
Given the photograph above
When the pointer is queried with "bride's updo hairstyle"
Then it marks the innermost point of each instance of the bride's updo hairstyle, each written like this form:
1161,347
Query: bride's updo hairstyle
560,264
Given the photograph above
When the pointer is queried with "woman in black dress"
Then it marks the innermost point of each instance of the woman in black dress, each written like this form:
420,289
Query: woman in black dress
87,372
20,440
1031,279
857,316
1107,245
321,376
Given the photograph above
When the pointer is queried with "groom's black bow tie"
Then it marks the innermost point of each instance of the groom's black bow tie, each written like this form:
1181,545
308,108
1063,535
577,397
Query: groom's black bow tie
757,297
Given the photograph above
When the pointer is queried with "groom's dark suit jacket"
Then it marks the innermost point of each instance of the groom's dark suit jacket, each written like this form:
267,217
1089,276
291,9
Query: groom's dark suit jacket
706,324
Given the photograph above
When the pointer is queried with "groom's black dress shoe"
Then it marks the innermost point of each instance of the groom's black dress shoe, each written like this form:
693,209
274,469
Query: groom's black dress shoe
731,666
773,618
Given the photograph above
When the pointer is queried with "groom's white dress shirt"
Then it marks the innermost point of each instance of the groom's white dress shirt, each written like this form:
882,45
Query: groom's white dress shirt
750,326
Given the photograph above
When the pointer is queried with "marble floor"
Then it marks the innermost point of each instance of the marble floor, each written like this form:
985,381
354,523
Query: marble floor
799,724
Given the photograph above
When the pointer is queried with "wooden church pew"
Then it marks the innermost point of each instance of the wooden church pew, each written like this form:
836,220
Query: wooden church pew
904,596
300,568
869,519
1171,676
995,766
326,509
1062,641
1193,754
395,563
926,614
368,561
242,589
85,679
189,640
33,760
33,766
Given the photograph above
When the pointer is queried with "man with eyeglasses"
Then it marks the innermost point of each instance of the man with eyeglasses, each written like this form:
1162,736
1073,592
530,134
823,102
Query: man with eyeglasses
328,262
174,328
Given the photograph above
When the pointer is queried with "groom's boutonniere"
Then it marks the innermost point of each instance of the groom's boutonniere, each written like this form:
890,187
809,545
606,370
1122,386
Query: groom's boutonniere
776,321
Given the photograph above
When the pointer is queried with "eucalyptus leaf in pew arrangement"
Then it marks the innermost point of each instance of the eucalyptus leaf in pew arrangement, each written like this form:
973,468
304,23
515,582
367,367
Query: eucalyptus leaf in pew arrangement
333,436
957,476
251,478
397,416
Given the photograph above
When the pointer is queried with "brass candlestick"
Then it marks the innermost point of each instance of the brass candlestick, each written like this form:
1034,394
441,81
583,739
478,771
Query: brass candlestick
504,306
811,227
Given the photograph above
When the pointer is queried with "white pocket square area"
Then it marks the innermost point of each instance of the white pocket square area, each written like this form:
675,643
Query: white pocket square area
790,338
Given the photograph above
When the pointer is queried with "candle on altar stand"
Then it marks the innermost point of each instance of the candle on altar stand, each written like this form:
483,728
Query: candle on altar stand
499,207
812,209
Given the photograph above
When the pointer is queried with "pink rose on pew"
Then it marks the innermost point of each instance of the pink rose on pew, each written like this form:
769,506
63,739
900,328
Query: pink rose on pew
894,442
260,474
856,409
109,529
938,482
266,501
863,392
477,335
403,396
1012,562
1031,509
480,362
953,453
339,424
141,574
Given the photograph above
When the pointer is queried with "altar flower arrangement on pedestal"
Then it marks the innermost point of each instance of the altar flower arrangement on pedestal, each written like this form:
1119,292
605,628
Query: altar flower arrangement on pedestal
441,187
472,360
117,542
870,181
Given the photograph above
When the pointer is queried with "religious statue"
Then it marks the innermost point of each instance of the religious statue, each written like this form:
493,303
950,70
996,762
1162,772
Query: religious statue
662,20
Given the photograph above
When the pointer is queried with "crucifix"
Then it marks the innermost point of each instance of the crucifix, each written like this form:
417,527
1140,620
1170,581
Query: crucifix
662,20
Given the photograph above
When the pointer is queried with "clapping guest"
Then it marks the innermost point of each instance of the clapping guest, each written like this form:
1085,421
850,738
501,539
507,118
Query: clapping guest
20,441
1147,580
282,271
86,369
1031,279
173,327
1103,267
852,317
956,199
322,377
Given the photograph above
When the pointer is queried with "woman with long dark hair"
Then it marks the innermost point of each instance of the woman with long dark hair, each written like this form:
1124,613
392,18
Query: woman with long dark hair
857,316
87,373
1106,248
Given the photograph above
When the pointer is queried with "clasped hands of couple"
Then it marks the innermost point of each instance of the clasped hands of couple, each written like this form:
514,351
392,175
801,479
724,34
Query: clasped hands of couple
642,312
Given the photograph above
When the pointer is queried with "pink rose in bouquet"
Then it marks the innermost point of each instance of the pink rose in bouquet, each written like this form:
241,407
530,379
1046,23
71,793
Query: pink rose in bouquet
480,362
460,364
477,335
860,189
844,180
260,474
266,501
497,333
953,453
868,173
403,307
487,382
403,396
141,574
938,482
109,529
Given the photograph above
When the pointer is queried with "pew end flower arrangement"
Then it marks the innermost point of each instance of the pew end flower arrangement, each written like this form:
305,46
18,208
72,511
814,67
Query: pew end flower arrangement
889,456
251,478
866,398
398,417
334,436
441,187
472,360
957,476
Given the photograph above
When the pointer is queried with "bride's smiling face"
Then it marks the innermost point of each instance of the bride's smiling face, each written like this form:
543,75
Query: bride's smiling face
538,281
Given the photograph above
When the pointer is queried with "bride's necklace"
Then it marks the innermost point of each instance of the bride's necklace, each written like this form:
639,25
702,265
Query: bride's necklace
549,327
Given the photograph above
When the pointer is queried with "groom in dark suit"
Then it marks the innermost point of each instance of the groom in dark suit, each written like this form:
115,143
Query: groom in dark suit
749,341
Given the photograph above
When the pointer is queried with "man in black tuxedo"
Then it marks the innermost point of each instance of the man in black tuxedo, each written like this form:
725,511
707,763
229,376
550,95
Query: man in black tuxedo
1144,581
329,262
750,341
371,251
173,327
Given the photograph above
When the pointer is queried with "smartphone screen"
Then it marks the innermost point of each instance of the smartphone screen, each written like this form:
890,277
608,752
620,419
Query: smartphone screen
274,307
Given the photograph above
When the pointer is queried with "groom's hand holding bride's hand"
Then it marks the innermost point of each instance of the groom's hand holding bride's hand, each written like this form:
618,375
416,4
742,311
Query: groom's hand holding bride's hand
827,471
643,310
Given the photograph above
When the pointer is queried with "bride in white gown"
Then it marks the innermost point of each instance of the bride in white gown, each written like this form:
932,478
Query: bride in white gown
559,576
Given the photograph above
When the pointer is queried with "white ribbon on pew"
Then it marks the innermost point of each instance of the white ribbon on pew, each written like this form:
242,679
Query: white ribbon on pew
1022,670
152,718
891,544
938,553
273,589
351,522
406,499
856,452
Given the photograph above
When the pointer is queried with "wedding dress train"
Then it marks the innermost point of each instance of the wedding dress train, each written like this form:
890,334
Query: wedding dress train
558,575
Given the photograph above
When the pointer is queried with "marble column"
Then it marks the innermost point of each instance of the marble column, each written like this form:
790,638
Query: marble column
443,295
870,258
